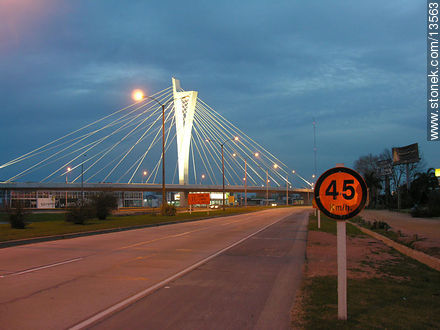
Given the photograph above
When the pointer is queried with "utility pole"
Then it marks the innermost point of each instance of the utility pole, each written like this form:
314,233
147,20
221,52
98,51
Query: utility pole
223,176
267,187
245,183
82,181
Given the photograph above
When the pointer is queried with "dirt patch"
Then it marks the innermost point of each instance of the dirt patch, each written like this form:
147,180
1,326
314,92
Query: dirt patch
422,234
362,254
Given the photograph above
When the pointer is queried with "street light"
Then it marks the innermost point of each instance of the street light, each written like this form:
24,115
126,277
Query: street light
267,179
223,162
244,179
202,177
67,172
138,95
82,181
144,174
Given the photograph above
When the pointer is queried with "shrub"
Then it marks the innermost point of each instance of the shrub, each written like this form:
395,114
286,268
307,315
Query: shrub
103,204
17,217
169,210
79,214
380,225
419,211
434,203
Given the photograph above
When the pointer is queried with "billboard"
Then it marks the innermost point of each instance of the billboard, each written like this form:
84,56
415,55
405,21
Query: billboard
406,155
201,199
46,203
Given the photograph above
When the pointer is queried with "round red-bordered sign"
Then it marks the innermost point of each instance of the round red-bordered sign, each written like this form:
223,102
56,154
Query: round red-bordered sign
340,193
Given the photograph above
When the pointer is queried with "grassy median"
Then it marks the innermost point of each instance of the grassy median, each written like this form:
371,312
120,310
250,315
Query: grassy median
49,224
401,294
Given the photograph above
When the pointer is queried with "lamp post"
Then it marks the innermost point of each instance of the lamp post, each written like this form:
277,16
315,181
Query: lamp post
257,155
138,95
310,184
82,182
202,177
275,166
244,179
144,174
267,187
223,162
67,172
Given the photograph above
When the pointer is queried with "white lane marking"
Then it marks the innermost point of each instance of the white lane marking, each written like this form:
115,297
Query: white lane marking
42,267
149,290
180,234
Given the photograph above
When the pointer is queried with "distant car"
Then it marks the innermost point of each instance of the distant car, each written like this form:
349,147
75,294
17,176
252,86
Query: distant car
274,204
213,206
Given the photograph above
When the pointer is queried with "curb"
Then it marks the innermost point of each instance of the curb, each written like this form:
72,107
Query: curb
424,258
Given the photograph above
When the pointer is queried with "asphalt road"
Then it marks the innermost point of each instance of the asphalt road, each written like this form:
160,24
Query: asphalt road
234,272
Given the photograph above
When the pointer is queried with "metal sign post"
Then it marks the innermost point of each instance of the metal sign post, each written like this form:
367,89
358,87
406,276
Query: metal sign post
341,193
342,270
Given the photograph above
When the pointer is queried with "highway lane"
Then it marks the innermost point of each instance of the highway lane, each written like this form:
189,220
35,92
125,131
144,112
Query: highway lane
60,284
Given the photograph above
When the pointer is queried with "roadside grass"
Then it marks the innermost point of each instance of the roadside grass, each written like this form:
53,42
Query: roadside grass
49,224
391,234
36,217
329,226
404,295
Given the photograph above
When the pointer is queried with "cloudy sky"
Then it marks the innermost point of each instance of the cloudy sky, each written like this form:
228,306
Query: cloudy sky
358,67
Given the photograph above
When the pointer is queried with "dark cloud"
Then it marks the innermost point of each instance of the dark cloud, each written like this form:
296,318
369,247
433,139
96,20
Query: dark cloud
269,67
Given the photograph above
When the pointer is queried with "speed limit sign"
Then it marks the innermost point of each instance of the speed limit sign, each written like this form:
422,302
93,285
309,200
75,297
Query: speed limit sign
340,193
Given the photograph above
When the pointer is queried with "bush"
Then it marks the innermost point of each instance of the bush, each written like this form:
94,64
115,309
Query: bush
79,214
380,225
103,204
17,217
420,211
434,203
432,209
169,210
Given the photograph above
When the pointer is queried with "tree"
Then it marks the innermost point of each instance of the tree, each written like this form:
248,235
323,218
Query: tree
17,216
368,168
366,164
103,203
374,184
422,185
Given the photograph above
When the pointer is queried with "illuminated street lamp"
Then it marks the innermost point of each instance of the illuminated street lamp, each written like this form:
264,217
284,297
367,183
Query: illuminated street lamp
244,179
138,95
275,166
267,179
202,178
82,181
67,172
144,174
223,162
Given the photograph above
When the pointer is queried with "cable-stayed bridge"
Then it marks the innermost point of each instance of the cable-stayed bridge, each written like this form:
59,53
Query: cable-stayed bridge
124,150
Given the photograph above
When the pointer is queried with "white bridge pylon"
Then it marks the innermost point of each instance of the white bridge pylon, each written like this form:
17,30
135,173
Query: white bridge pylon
124,147
184,107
